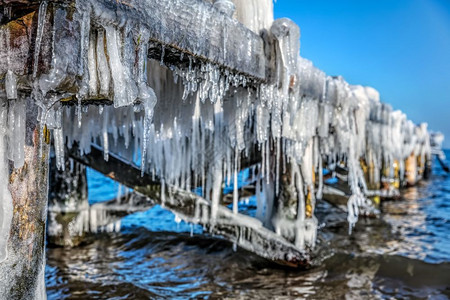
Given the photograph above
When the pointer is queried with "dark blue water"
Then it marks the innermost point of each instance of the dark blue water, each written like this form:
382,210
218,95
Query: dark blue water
404,254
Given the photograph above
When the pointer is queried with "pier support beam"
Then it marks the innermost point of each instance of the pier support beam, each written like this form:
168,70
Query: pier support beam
23,268
246,232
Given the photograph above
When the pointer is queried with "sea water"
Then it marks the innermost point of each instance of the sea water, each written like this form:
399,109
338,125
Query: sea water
405,253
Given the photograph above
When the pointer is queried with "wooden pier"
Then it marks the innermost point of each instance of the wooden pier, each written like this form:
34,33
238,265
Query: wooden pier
168,96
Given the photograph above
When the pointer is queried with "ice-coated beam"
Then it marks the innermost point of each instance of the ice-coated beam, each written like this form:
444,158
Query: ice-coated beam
194,27
177,30
246,232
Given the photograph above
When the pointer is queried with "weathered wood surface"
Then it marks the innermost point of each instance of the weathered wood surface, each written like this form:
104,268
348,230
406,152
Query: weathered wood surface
22,274
15,9
22,3
20,54
245,231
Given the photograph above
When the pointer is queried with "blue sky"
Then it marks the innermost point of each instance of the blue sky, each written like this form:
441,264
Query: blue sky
399,47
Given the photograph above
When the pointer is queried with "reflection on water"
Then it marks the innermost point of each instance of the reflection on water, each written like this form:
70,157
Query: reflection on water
403,254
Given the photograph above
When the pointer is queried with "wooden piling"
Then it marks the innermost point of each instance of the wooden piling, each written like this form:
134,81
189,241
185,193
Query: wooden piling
411,170
22,273
68,210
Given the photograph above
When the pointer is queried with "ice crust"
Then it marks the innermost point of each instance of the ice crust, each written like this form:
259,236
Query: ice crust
191,125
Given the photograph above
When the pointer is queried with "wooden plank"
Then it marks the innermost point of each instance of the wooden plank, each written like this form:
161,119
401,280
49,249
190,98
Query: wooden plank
245,231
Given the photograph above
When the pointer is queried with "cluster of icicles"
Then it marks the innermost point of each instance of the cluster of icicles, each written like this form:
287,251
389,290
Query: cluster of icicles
193,126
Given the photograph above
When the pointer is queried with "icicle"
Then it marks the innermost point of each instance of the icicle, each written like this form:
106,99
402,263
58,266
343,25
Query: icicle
41,291
163,52
39,34
235,182
217,168
267,172
277,165
319,192
85,54
6,204
11,85
163,192
353,204
125,91
59,148
79,111
58,138
103,70
148,98
92,66
105,138
119,193
16,132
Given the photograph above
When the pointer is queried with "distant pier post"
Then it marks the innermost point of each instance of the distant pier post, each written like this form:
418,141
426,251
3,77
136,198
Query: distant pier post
68,212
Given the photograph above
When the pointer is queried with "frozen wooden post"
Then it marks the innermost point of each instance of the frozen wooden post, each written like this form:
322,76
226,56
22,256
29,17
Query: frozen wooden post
23,266
71,218
295,202
390,180
24,198
411,170
68,211
373,183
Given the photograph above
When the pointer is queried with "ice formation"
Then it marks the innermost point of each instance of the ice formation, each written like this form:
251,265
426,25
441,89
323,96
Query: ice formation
192,125
6,206
255,14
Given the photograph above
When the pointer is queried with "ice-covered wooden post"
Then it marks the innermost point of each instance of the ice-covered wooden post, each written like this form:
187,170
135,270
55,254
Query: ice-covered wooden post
68,212
23,162
22,263
295,203
36,64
